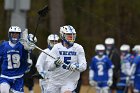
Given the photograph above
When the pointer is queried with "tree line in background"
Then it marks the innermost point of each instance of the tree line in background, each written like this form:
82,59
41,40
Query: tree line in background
94,20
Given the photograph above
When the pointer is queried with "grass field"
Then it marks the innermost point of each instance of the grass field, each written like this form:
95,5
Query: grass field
84,89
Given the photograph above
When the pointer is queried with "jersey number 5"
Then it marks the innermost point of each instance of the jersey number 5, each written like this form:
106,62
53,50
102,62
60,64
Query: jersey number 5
13,61
66,61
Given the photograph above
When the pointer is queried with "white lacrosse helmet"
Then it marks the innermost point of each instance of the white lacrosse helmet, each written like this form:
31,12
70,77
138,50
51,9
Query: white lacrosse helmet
125,47
136,47
14,29
68,34
52,40
100,49
109,42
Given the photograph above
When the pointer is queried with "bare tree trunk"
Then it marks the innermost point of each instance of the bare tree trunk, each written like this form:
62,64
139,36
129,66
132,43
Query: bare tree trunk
56,15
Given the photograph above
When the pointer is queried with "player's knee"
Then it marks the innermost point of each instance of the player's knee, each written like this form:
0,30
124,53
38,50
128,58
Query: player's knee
5,88
106,90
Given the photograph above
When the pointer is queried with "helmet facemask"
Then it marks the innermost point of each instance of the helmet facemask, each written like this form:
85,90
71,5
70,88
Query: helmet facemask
52,43
14,37
124,53
100,53
109,46
52,40
69,38
100,50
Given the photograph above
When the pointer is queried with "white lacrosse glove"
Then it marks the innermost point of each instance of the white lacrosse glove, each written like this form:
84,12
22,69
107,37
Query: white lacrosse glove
58,62
30,42
93,83
73,67
32,39
109,82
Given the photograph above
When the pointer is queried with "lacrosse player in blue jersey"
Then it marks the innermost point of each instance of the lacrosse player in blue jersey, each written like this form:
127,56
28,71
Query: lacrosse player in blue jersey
135,70
15,60
133,55
100,74
113,53
125,68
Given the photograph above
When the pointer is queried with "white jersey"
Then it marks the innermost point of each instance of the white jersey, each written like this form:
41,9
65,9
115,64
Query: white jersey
67,55
41,65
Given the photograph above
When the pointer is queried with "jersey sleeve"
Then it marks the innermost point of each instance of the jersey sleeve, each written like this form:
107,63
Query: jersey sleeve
81,59
136,60
53,53
40,61
1,48
110,65
92,64
1,51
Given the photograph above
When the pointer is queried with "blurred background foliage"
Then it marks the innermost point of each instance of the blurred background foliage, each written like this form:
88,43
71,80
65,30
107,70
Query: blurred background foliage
94,20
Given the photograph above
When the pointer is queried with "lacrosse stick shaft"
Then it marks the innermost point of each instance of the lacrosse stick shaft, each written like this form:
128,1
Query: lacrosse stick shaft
44,52
125,89
49,55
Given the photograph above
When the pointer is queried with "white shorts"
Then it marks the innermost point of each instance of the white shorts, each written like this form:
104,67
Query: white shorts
43,85
61,88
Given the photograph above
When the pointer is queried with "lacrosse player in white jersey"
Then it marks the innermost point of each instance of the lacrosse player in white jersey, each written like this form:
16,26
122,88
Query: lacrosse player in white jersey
41,64
70,61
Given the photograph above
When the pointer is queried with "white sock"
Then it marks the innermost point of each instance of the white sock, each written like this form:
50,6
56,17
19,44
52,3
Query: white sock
31,91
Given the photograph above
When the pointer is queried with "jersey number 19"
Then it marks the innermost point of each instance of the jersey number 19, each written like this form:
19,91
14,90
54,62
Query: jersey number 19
13,61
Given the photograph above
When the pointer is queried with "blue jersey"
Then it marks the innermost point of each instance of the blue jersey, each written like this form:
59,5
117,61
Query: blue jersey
137,62
13,59
125,68
137,73
100,66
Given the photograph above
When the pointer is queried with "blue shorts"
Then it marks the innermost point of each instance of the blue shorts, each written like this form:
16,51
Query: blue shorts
137,82
102,84
15,84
